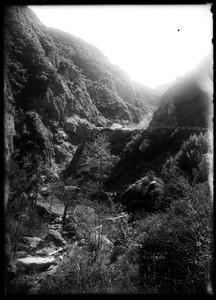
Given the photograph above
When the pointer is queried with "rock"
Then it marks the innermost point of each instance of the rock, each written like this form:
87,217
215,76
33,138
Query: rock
43,210
116,126
44,251
23,247
55,237
44,191
39,133
20,254
51,270
60,136
31,242
62,153
72,166
71,124
72,188
32,263
78,125
57,220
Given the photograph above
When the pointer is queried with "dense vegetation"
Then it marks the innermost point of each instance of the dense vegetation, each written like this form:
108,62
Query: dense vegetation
130,208
162,236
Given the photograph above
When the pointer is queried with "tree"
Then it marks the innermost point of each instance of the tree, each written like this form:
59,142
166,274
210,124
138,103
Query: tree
96,164
24,175
97,160
67,194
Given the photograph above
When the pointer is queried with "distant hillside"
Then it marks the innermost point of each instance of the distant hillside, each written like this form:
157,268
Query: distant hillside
189,100
161,89
59,84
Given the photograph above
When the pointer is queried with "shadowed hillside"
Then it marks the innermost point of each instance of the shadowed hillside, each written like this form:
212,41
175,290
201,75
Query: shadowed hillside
69,85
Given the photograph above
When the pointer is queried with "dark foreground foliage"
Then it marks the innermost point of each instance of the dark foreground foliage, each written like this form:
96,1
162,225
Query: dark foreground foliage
161,236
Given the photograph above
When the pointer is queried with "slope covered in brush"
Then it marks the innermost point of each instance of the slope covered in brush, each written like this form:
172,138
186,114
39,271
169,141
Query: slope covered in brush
64,82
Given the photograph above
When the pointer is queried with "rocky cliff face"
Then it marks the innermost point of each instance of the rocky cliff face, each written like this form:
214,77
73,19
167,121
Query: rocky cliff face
58,87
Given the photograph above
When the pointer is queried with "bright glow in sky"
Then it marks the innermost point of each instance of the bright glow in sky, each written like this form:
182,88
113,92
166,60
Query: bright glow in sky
152,43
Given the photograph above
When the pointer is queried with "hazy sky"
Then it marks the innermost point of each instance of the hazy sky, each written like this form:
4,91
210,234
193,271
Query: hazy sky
152,43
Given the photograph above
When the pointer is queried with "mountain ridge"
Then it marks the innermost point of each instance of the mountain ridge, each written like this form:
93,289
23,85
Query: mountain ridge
66,82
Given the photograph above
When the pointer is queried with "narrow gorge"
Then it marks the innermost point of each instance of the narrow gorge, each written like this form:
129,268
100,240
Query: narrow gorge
108,183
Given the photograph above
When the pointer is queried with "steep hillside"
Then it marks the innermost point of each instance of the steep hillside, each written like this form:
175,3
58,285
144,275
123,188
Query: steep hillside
188,101
58,87
186,108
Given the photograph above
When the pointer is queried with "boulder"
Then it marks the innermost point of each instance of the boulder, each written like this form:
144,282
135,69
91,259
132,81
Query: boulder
57,220
32,262
72,188
62,153
77,125
31,242
44,191
39,134
43,210
45,250
71,124
55,236
60,136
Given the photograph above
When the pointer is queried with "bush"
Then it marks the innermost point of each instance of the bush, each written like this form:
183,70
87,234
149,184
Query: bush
192,157
84,273
176,183
146,193
176,249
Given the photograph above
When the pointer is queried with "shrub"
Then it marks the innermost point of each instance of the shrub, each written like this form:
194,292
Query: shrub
176,249
176,183
82,273
146,193
192,157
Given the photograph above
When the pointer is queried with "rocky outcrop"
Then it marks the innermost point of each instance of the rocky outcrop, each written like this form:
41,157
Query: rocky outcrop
31,242
43,209
35,263
55,237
